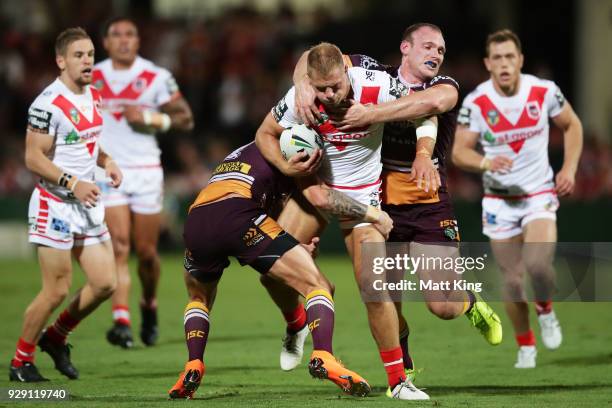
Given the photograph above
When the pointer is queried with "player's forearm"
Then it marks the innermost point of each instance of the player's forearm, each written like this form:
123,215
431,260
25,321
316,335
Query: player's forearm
103,159
425,146
269,147
299,73
469,159
572,139
37,162
432,101
339,204
180,115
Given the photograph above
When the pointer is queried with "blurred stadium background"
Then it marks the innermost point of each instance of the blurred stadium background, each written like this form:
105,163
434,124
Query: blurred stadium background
233,60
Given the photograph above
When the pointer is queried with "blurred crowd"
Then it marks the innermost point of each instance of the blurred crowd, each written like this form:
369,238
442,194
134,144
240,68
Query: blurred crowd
232,69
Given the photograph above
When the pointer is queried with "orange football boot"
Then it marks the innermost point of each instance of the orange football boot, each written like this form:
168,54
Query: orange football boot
189,380
324,365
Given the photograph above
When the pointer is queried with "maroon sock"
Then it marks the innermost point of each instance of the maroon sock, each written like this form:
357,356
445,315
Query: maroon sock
320,317
405,351
197,327
62,327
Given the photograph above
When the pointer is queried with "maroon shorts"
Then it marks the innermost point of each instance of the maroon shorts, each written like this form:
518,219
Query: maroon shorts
423,222
233,227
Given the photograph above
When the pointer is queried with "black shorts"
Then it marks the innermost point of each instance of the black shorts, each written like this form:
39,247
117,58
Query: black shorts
423,223
233,227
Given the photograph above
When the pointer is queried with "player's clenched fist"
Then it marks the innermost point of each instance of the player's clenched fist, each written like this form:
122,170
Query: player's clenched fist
114,173
384,224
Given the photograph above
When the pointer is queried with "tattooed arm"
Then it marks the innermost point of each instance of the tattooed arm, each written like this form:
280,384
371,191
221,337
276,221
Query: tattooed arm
341,205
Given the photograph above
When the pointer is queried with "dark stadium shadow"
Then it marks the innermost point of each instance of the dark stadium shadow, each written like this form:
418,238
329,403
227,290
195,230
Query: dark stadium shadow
438,391
595,359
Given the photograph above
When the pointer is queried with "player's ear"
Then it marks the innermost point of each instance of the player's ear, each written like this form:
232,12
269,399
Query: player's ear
405,47
487,63
60,61
521,60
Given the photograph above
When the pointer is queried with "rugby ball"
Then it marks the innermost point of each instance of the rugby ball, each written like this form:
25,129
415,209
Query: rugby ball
299,138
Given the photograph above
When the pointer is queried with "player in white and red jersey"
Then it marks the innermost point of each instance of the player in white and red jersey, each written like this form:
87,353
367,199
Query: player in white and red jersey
64,215
351,164
509,116
139,100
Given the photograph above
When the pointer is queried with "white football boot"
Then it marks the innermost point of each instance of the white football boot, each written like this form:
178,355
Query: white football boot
293,349
526,357
550,330
406,391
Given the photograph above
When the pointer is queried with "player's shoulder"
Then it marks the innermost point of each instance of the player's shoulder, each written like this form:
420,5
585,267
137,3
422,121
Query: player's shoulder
104,65
47,96
148,65
532,80
483,88
443,79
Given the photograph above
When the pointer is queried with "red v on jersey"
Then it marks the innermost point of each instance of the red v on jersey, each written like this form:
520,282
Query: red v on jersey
75,116
530,116
132,91
369,94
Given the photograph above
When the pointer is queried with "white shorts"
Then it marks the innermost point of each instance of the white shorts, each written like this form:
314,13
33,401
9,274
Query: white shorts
504,218
63,225
368,194
142,189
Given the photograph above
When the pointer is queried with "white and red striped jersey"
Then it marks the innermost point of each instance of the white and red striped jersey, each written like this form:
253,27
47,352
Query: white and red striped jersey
145,85
351,158
75,123
516,127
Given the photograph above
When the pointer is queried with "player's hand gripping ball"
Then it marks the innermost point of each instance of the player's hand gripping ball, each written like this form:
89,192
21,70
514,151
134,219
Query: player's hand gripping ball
299,138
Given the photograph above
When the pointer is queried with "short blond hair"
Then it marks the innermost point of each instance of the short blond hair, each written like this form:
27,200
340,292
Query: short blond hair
67,37
501,36
323,59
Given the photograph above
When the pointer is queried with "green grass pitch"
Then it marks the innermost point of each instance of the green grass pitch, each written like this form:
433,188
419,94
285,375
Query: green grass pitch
458,367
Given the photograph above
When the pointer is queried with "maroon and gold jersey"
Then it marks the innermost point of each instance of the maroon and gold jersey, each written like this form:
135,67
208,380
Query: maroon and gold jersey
399,143
245,172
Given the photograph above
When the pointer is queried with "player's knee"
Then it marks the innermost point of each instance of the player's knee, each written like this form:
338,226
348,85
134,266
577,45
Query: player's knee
56,295
147,254
121,247
445,310
105,288
538,266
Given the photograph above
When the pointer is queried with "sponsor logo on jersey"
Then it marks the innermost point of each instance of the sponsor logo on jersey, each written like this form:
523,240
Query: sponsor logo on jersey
99,84
252,237
232,166
279,110
370,75
560,98
72,137
492,117
367,62
488,136
464,116
74,116
533,110
39,120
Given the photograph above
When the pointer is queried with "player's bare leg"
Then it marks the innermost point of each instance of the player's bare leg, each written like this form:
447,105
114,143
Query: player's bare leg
540,237
509,256
302,221
382,318
146,235
118,220
56,274
98,264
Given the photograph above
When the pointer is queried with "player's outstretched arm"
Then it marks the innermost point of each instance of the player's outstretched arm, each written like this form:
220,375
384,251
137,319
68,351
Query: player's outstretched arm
571,126
466,157
38,145
341,205
266,140
432,101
